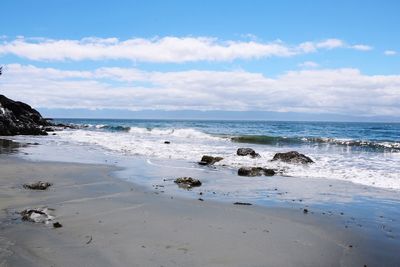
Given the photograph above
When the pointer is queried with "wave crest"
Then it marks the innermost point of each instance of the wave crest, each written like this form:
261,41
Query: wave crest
279,140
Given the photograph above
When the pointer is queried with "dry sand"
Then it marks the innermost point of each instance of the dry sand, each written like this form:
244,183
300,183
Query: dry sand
110,222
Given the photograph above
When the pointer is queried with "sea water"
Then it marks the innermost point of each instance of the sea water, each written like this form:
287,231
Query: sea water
362,153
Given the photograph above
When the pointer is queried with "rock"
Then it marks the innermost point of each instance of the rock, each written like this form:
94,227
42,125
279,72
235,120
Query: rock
38,185
305,211
209,160
246,151
167,142
255,171
57,225
269,172
187,182
39,215
292,157
20,118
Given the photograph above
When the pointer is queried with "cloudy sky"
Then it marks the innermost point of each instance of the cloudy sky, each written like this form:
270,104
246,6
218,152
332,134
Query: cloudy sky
286,57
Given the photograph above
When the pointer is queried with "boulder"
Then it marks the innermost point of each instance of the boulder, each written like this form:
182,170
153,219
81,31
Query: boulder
19,118
38,185
187,182
209,160
246,151
255,171
292,157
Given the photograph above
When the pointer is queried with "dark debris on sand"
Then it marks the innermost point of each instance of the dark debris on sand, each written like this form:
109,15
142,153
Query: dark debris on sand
38,185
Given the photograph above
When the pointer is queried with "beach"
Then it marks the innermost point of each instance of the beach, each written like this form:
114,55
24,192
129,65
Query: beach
200,133
110,222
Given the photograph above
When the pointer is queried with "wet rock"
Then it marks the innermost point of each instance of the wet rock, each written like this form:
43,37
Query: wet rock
246,151
187,182
57,225
292,157
19,118
39,215
209,160
38,185
255,171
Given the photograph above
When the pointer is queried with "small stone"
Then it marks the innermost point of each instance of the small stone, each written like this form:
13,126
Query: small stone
57,225
187,182
305,211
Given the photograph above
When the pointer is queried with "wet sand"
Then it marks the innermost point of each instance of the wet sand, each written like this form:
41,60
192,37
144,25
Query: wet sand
110,222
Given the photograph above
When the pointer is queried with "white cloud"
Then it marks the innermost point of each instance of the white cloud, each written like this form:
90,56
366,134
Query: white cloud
309,64
362,47
330,44
166,49
390,53
344,91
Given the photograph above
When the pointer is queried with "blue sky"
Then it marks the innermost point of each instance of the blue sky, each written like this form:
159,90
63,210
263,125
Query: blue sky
325,57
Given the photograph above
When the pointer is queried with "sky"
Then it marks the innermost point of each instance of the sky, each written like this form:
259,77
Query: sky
239,59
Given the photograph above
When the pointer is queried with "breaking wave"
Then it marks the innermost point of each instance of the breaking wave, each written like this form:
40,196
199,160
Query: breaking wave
380,146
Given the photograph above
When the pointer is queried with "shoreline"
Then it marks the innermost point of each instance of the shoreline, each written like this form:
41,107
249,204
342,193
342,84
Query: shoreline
131,225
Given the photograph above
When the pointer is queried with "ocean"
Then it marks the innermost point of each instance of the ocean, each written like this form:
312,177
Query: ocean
360,153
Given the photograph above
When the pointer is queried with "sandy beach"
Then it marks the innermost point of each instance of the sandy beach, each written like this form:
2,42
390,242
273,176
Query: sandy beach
110,222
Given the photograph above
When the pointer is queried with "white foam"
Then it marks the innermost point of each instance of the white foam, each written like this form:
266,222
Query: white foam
372,169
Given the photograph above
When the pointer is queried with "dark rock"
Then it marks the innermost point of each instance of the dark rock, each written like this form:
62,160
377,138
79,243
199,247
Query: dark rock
167,142
209,160
269,172
255,171
57,225
292,157
242,203
305,211
20,118
187,182
38,185
246,151
40,215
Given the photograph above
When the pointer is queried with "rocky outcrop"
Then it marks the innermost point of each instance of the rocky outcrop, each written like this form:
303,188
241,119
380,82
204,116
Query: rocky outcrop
209,160
19,118
293,157
255,171
187,182
246,151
